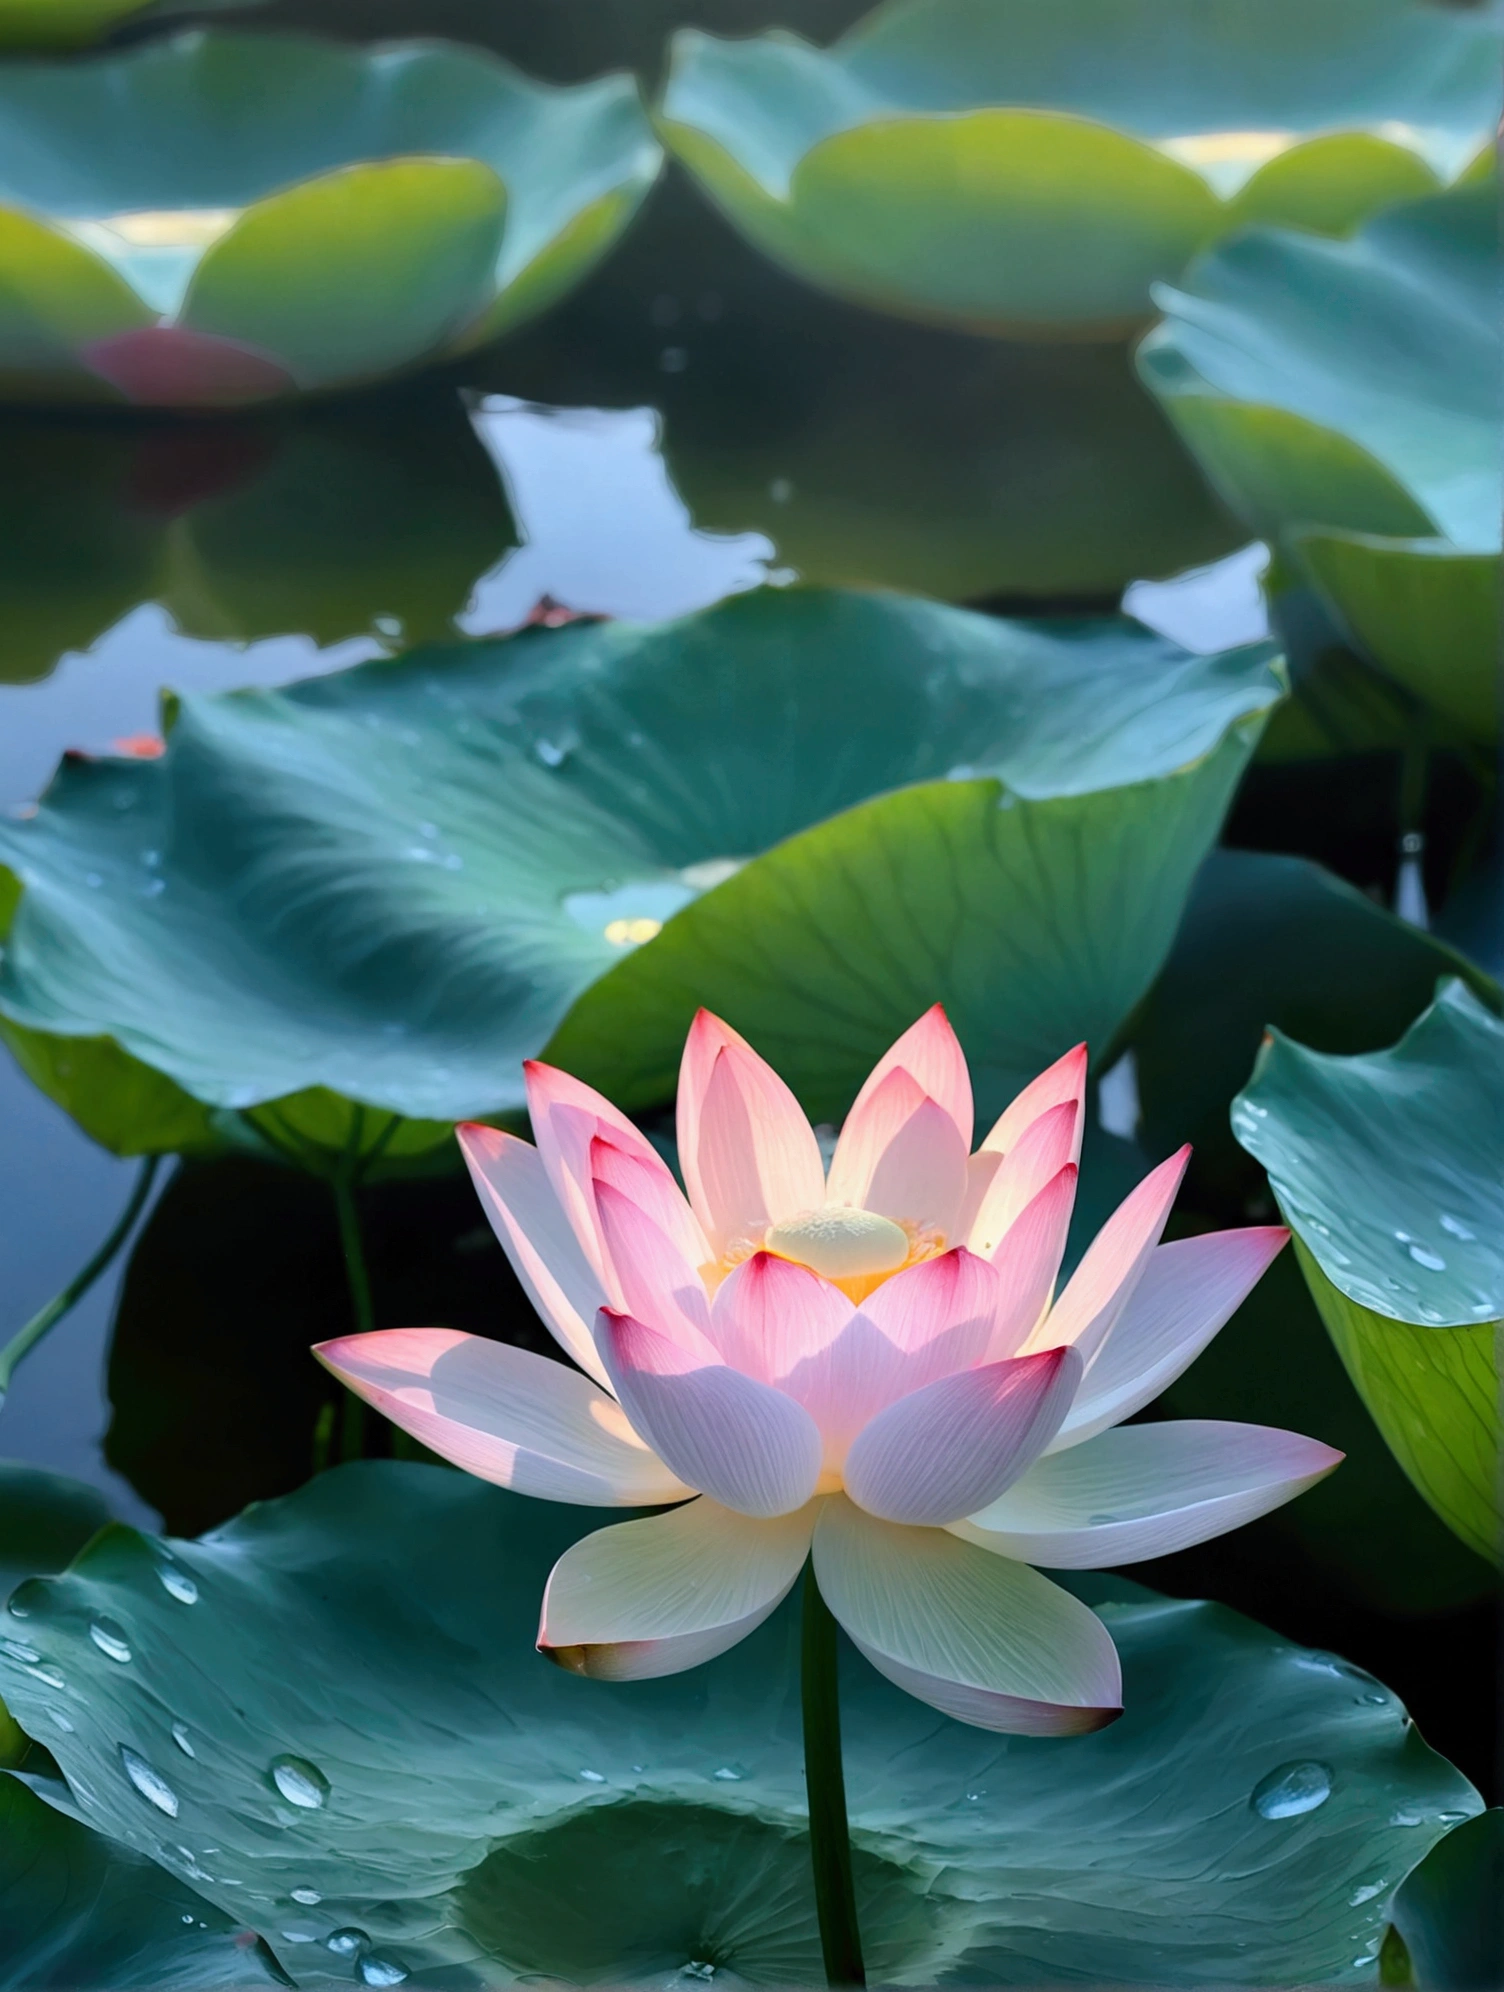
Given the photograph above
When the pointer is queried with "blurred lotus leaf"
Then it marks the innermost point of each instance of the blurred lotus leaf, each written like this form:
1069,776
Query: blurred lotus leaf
389,885
329,1719
1010,165
1389,1169
217,219
1345,398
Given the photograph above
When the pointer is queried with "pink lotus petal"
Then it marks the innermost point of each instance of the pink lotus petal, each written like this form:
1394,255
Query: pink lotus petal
770,1315
1147,1490
1044,1148
654,1192
1103,1283
902,1155
1063,1081
954,1446
1187,1292
169,366
653,1279
654,1597
1028,1261
504,1414
749,1156
528,1218
749,1447
981,1638
931,1054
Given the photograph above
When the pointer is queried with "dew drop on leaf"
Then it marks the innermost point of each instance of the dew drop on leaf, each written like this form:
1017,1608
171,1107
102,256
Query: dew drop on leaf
149,1782
183,1740
1291,1790
177,1583
307,1896
346,1942
300,1782
110,1639
373,1970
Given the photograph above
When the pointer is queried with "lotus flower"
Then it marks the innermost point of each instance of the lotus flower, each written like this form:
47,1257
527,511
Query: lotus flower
865,1365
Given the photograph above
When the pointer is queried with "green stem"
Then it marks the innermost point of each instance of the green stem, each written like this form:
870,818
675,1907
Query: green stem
25,1339
352,1435
829,1836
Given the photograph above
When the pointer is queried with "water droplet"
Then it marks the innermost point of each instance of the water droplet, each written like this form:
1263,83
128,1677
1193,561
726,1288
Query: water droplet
550,753
592,1777
61,1721
346,1942
300,1782
1424,1256
1291,1790
1453,1818
183,1740
27,1655
177,1583
697,1968
373,1970
110,1639
189,1921
48,1676
730,1774
150,1783
307,1896
1366,1893
300,1936
1406,1815
1456,1227
1375,1700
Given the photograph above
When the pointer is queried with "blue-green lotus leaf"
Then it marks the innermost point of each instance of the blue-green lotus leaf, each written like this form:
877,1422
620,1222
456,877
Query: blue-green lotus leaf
221,219
393,882
45,1520
1389,1169
78,1910
1014,164
378,1749
1450,1911
1345,397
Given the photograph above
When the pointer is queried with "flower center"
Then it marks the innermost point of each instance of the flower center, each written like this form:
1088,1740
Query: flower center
840,1243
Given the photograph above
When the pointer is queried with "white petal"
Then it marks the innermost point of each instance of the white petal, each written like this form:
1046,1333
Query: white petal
747,1445
1147,1490
505,1415
1064,1080
653,1281
931,1054
1188,1290
945,1450
537,1237
901,1154
986,1640
1045,1147
653,1597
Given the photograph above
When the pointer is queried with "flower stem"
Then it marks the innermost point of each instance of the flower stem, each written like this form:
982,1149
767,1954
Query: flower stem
829,1836
352,1430
25,1339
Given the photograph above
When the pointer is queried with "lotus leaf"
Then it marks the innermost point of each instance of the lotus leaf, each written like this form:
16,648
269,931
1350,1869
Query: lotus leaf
329,1718
393,882
77,1910
1040,163
44,1521
1450,1910
218,219
1345,397
1389,1168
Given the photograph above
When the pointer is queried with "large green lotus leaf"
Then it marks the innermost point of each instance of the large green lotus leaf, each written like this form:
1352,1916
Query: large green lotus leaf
79,1910
377,1749
870,450
1348,384
350,275
1279,941
1450,1910
295,213
965,160
393,881
45,1520
1425,611
1389,1168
